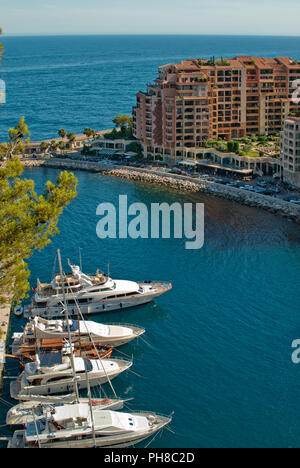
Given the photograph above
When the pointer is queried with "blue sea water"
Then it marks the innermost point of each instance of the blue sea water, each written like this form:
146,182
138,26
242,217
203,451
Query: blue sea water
79,81
218,346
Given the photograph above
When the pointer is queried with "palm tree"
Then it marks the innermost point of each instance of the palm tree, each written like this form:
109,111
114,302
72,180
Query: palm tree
62,133
71,137
53,145
44,146
62,145
88,132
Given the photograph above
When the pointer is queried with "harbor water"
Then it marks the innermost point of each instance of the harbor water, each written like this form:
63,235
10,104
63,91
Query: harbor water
218,346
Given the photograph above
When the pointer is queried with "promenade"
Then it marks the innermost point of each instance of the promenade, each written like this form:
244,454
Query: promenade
4,326
178,182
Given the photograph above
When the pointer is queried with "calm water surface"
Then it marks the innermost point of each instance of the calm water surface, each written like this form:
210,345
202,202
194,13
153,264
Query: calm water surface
218,349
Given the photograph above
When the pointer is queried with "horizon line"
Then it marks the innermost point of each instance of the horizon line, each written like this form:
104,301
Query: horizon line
4,35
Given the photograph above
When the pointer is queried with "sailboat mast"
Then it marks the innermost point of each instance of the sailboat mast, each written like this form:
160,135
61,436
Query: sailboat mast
91,406
67,321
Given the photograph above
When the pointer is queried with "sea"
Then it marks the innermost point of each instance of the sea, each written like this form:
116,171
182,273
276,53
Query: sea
217,352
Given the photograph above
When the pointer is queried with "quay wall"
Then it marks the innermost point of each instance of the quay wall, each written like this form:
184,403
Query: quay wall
179,182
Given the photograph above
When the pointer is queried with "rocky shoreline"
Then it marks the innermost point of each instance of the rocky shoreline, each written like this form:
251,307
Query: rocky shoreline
178,182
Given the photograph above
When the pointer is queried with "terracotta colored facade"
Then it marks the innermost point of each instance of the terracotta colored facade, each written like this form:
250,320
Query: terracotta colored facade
290,150
198,100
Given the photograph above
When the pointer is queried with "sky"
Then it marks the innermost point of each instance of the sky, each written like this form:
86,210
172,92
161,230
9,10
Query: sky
249,17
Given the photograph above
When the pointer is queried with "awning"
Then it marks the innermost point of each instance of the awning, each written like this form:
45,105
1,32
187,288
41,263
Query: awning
187,162
107,152
228,169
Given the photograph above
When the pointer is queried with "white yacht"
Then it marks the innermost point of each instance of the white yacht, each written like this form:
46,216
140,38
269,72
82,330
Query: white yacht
94,294
24,412
81,331
77,426
53,373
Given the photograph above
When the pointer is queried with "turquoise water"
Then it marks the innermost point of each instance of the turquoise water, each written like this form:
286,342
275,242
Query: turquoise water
218,349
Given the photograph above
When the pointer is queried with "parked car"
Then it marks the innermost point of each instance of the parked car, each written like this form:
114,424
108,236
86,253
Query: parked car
259,190
296,202
275,190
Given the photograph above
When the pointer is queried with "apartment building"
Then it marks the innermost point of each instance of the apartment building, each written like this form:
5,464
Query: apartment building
197,100
290,150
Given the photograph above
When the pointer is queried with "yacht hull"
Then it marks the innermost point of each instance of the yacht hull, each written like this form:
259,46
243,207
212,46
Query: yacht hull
98,306
17,391
115,441
22,413
84,340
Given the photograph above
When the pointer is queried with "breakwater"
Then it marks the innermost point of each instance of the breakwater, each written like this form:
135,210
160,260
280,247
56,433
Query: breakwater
178,182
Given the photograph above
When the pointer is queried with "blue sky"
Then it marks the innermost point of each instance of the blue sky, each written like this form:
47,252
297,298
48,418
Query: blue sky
254,17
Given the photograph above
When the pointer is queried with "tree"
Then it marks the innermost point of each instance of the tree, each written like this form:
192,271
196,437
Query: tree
44,146
53,145
62,145
124,122
62,133
230,146
135,147
88,132
71,137
28,221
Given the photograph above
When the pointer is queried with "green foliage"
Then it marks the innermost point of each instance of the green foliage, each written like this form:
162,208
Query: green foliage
222,63
44,146
233,147
62,133
123,121
124,134
71,137
28,220
135,147
62,145
89,132
18,137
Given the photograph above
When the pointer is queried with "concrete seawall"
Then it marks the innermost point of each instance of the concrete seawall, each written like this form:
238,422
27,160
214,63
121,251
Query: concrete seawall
179,182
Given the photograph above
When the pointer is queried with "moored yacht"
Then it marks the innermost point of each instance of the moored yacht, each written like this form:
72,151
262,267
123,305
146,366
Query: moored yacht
94,294
24,412
77,426
81,332
53,373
